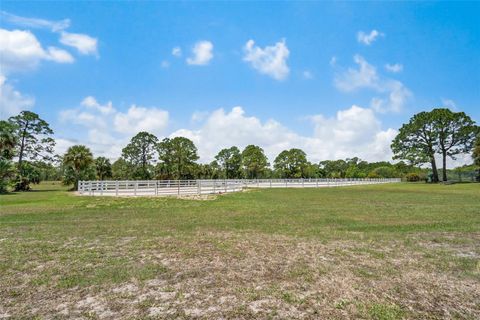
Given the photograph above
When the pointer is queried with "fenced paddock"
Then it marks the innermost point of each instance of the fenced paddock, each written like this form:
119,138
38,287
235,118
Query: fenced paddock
199,187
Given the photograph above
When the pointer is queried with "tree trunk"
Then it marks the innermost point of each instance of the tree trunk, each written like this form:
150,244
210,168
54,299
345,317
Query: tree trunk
434,170
444,162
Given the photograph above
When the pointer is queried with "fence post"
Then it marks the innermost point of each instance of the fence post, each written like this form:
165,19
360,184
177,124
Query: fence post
225,184
135,187
270,183
116,188
178,187
214,185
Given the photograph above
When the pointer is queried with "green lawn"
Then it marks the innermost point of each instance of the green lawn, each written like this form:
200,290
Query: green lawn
381,252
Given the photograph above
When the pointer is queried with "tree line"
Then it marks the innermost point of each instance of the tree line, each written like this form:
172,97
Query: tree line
26,155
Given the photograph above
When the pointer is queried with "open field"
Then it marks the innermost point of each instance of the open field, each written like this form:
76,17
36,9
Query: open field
375,252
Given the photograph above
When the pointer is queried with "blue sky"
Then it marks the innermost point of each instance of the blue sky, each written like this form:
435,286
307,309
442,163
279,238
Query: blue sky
336,79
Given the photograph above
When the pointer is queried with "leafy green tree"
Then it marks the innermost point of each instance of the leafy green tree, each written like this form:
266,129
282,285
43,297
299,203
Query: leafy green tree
33,141
254,161
476,151
455,133
49,171
8,140
122,170
417,142
334,168
384,172
140,152
78,165
28,174
476,156
231,162
7,174
33,137
291,163
177,157
103,167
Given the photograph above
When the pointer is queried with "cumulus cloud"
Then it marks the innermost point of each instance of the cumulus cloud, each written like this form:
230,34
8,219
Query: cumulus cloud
20,50
107,129
138,119
394,94
202,53
11,100
368,38
84,44
271,60
395,68
352,132
364,77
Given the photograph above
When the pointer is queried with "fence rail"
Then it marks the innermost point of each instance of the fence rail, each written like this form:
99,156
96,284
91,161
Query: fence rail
198,187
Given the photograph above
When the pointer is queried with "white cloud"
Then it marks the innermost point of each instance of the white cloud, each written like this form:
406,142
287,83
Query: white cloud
307,74
11,100
20,51
395,68
271,60
177,52
107,130
91,102
59,55
364,77
368,38
54,26
397,97
202,53
395,94
352,132
141,119
83,43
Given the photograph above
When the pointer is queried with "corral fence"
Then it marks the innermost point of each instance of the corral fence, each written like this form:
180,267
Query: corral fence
198,187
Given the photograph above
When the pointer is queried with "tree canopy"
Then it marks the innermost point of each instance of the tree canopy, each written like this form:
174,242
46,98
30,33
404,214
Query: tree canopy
230,160
140,152
79,165
291,163
33,137
439,131
103,168
417,142
177,157
254,161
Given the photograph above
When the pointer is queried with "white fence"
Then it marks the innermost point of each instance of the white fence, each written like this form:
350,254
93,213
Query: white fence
197,187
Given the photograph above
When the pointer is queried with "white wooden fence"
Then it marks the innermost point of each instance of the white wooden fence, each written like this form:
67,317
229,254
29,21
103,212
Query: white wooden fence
197,187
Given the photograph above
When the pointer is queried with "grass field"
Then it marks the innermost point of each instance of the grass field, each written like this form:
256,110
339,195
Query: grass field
374,252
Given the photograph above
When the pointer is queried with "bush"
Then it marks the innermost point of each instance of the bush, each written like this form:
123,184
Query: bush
383,172
412,177
7,173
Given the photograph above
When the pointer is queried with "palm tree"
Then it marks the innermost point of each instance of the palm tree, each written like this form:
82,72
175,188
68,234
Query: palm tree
8,140
78,162
104,168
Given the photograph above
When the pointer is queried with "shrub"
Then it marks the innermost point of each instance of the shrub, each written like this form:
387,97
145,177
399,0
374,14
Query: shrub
412,177
7,173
